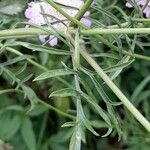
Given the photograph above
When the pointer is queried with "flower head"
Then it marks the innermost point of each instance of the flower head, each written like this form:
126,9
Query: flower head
42,13
141,3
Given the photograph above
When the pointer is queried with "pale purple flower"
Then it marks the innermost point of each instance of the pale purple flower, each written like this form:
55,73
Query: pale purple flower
35,11
141,3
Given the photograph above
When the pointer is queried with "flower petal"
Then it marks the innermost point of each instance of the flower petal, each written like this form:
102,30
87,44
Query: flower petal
86,22
53,41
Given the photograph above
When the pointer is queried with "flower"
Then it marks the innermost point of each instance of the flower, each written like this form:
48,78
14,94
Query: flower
141,3
42,13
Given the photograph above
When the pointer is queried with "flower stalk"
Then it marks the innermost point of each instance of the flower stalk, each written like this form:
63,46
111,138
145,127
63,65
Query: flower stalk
84,8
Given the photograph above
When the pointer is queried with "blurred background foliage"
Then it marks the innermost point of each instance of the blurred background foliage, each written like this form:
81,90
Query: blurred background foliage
28,124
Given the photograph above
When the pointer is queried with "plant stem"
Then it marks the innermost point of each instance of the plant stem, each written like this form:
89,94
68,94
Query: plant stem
116,91
21,33
84,8
57,110
116,31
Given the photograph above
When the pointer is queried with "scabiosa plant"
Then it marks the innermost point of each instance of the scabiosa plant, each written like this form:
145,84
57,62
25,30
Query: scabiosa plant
82,83
145,4
42,13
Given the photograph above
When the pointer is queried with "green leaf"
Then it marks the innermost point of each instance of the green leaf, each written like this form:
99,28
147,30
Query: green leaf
64,93
37,110
71,92
75,142
77,50
88,125
115,120
139,89
30,94
109,55
118,67
54,73
7,91
108,14
100,89
69,124
96,107
9,125
28,134
16,59
42,48
125,59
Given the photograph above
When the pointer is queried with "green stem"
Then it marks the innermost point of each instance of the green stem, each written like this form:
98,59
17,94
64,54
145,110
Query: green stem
117,91
84,8
72,19
141,19
116,31
57,110
21,33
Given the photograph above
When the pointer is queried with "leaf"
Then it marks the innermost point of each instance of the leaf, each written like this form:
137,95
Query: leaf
54,73
16,59
7,91
97,108
37,110
109,55
42,48
77,50
139,89
9,74
88,125
143,96
69,124
71,92
87,88
28,134
118,67
108,14
9,125
100,89
75,142
115,120
64,93
30,94
114,74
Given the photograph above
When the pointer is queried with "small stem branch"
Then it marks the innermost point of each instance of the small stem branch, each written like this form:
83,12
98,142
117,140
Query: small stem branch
57,110
84,8
72,19
117,91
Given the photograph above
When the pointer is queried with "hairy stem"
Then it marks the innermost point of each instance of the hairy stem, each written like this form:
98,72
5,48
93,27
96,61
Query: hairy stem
84,8
33,32
116,31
